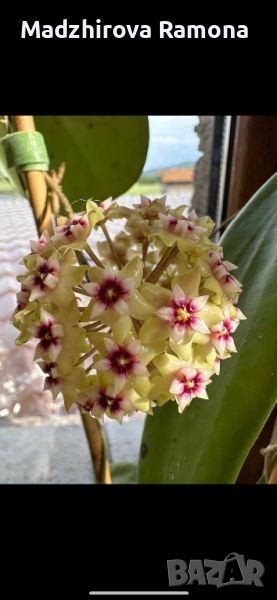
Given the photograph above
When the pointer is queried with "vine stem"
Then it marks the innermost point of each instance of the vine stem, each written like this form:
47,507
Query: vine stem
225,222
62,197
84,357
165,260
95,433
111,245
145,245
57,177
273,475
93,256
79,290
95,329
98,447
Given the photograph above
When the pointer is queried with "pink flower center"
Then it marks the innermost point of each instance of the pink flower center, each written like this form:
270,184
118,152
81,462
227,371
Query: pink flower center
53,380
227,278
191,385
44,333
228,325
122,361
110,291
227,328
79,221
182,313
216,262
66,229
42,272
47,367
20,306
23,299
104,401
172,223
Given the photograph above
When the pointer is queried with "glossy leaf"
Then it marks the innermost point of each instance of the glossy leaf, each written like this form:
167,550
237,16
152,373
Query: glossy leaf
210,441
124,472
104,155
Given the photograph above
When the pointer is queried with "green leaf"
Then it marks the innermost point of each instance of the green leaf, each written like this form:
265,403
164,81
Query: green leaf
210,441
104,155
124,472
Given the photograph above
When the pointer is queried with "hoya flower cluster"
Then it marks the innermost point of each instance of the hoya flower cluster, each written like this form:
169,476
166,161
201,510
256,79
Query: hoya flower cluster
145,319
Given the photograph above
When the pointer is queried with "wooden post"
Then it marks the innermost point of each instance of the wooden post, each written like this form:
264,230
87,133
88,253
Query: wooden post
35,182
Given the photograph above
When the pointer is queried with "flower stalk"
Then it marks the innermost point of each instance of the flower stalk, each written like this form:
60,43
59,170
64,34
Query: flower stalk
93,256
111,245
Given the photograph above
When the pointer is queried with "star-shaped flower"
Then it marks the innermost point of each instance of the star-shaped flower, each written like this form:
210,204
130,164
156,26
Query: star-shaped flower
189,383
123,360
221,333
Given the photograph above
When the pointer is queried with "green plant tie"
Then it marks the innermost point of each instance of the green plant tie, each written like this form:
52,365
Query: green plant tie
26,150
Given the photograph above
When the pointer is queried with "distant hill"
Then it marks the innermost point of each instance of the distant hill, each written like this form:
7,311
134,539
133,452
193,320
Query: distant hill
152,175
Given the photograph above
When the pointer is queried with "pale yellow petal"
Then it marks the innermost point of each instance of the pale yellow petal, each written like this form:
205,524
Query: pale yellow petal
142,386
121,326
149,351
212,285
212,315
154,329
155,294
189,283
134,269
139,307
167,363
183,351
95,274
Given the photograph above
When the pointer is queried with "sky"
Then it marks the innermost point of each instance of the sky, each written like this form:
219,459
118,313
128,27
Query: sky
172,141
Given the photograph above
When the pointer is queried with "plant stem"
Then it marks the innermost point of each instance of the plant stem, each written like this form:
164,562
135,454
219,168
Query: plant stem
80,291
145,245
84,357
165,260
225,222
57,177
96,329
93,324
56,188
93,256
273,475
94,431
97,442
111,245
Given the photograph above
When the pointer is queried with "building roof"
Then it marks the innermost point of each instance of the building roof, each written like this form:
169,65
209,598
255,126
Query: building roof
178,175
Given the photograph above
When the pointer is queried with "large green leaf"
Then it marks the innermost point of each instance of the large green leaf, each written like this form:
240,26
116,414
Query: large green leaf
210,441
104,155
124,472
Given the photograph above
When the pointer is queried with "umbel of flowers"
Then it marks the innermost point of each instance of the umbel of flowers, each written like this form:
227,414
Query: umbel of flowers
146,319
